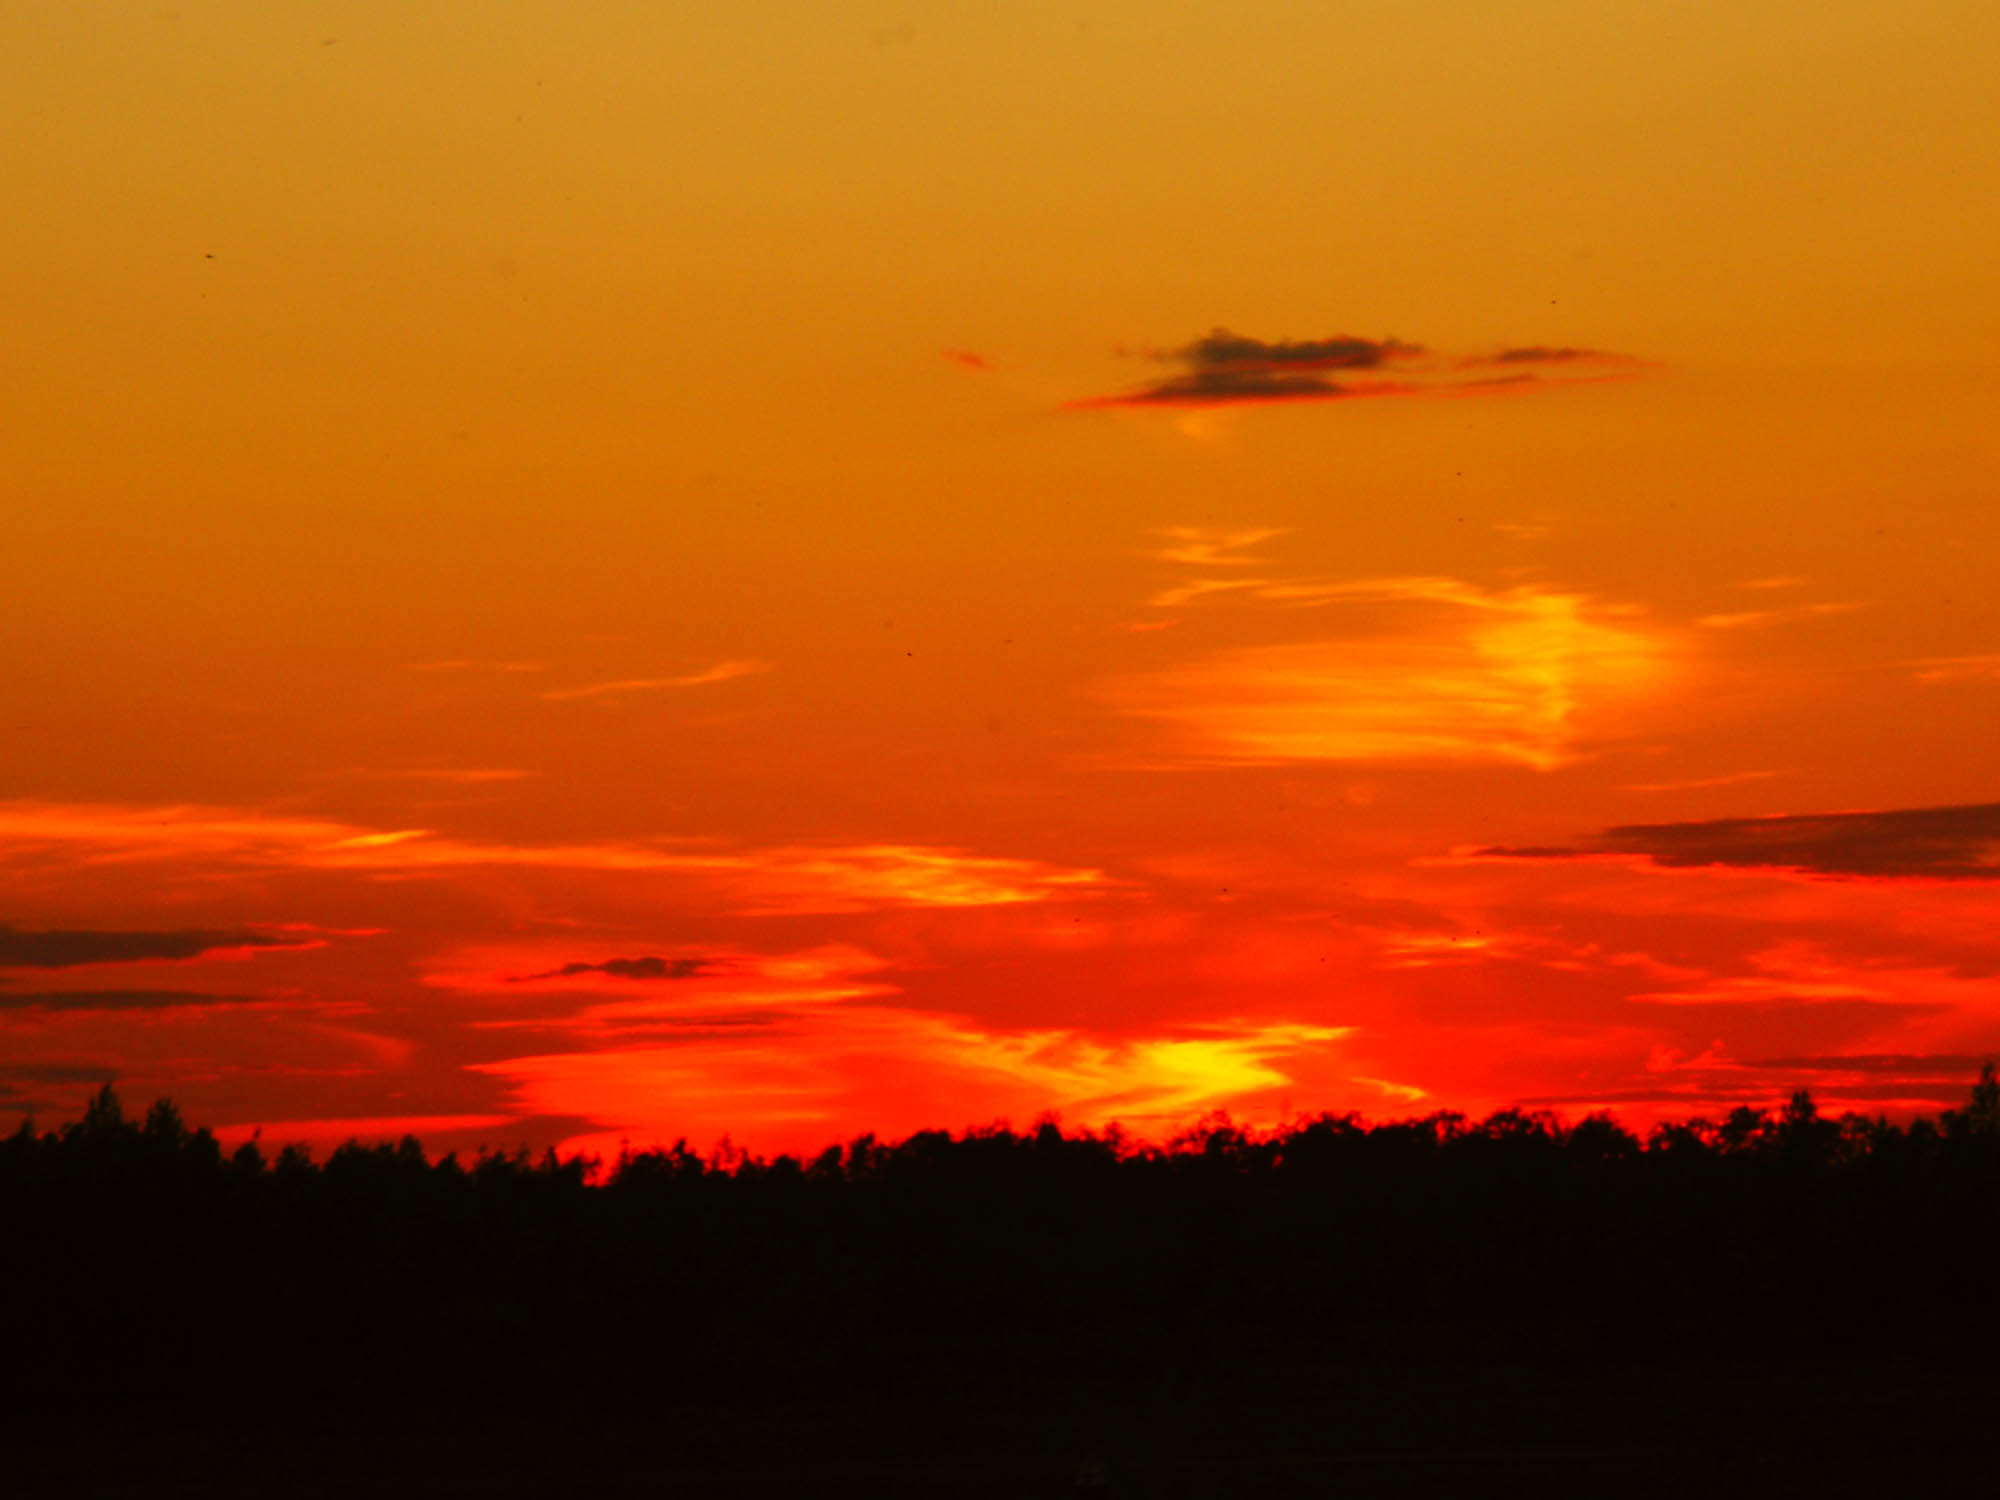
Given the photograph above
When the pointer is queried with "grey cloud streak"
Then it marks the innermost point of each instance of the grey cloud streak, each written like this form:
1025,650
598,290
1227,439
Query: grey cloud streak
129,1000
628,968
60,949
1223,368
1959,842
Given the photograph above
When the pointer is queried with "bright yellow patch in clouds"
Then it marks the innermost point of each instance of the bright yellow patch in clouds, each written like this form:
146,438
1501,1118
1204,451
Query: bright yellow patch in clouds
1524,675
794,1086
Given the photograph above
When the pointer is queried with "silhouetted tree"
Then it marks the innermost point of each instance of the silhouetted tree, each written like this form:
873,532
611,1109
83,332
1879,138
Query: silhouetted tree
994,1254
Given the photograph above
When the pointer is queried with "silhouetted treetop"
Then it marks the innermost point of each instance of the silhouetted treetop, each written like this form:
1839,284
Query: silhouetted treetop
962,1257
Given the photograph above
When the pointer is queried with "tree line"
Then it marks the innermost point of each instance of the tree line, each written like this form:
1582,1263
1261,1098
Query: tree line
139,1258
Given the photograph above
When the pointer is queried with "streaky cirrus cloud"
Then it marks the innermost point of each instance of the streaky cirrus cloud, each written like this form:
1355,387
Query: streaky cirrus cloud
1423,950
1940,669
593,1000
1543,354
1952,843
784,879
1223,368
462,664
1695,783
1754,618
652,966
1524,675
722,671
58,1072
80,948
1951,1067
121,1000
1210,547
447,775
32,1086
1794,973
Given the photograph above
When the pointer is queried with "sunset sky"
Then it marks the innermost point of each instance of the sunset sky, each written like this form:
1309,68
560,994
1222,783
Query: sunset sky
617,571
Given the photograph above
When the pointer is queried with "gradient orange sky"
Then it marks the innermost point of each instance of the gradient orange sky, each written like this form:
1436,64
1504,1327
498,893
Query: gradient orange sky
624,571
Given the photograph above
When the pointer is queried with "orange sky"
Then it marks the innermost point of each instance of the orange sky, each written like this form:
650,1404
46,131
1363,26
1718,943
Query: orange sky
627,571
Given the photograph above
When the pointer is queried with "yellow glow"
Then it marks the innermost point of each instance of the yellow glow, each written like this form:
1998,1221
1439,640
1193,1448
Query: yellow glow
1519,675
919,1070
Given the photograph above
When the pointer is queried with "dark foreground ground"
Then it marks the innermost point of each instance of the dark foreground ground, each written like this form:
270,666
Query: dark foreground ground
1774,1305
1693,1430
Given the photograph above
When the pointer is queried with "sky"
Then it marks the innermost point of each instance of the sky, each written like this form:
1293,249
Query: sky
595,574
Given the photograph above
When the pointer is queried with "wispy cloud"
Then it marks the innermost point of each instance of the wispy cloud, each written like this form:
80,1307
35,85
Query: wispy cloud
789,878
722,671
1797,991
1696,783
1225,369
58,1072
449,776
598,1002
1543,354
1940,669
83,947
1929,843
1951,1068
1466,673
1424,950
461,664
1750,618
1211,547
1785,976
121,1000
650,967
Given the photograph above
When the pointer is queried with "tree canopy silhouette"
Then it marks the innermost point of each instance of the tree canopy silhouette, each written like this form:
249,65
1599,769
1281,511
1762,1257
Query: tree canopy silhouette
992,1255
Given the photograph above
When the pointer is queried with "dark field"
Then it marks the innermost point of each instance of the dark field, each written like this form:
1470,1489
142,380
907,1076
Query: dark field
1770,1305
1735,1429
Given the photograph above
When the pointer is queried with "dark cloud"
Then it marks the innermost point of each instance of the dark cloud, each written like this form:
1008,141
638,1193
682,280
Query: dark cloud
1543,354
1213,387
629,968
1224,367
1222,350
89,1000
1925,843
58,1072
24,1086
1962,1066
68,950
